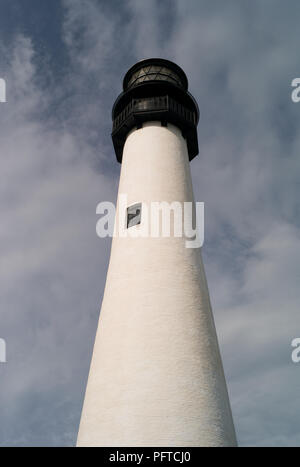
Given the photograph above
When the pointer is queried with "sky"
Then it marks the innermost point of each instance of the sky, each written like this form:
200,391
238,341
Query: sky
63,62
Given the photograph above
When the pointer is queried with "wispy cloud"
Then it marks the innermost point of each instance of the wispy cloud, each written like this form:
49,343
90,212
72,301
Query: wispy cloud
52,265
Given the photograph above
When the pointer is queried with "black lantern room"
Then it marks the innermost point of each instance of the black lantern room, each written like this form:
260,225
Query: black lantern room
155,90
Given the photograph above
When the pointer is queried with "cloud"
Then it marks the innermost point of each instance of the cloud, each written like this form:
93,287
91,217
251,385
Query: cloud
52,264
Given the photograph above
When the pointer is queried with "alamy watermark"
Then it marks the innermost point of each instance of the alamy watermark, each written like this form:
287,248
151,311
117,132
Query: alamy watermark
296,92
154,219
2,351
296,352
2,90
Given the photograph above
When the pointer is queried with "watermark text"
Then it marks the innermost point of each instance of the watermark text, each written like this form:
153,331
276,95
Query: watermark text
296,92
2,351
2,90
154,219
296,352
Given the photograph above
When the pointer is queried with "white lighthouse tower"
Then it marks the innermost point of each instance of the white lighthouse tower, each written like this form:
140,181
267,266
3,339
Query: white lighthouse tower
156,377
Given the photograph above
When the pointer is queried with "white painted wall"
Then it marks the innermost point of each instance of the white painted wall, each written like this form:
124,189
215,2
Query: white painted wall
156,377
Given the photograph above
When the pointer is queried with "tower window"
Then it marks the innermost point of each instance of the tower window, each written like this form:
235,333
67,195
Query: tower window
134,214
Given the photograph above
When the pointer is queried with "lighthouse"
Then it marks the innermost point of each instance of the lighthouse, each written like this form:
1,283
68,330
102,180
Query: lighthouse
156,376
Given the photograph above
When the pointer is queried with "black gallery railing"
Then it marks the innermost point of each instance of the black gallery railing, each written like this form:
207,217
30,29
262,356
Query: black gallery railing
160,103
